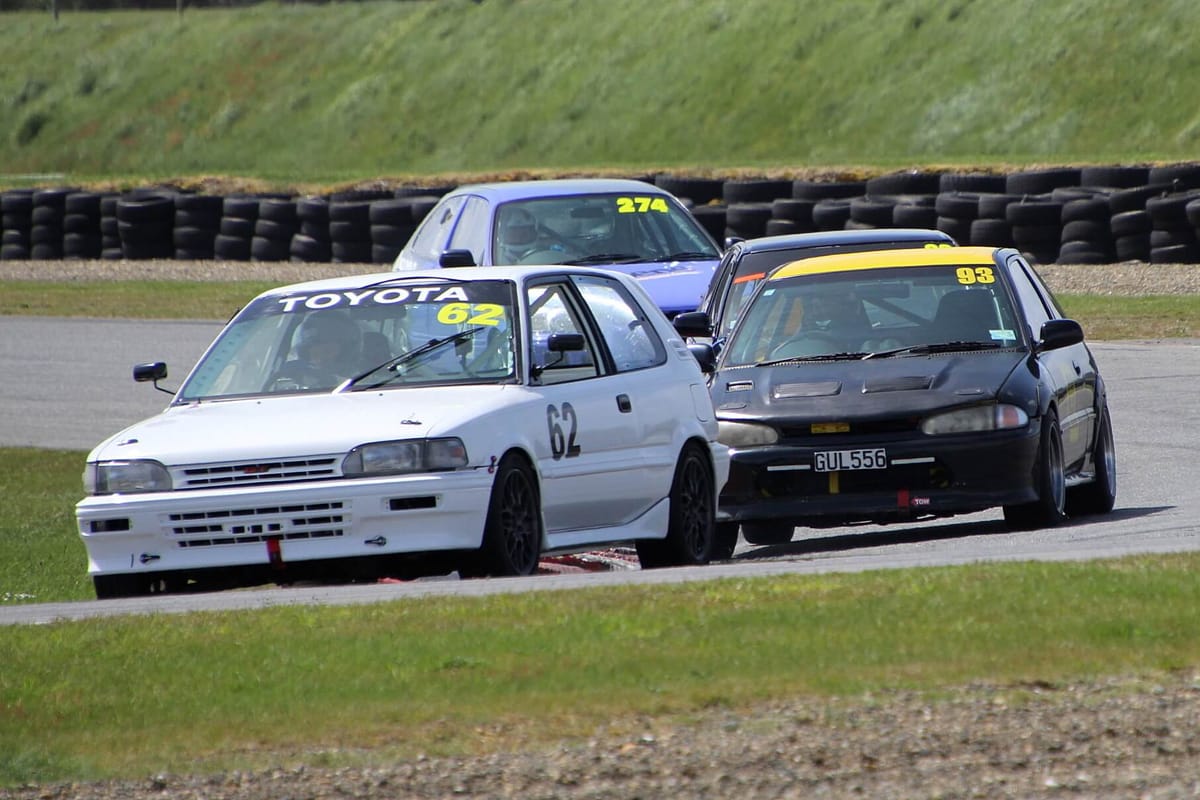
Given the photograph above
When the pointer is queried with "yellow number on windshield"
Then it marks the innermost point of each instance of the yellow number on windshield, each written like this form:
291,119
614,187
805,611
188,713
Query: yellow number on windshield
478,314
640,205
969,275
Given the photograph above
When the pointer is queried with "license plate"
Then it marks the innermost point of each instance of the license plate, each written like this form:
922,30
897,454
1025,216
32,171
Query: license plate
837,460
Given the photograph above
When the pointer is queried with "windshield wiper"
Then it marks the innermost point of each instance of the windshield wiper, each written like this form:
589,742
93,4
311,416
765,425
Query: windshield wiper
605,258
688,255
823,357
392,364
939,347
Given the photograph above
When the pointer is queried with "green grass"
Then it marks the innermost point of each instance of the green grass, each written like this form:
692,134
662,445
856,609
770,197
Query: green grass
1103,317
218,691
192,693
345,92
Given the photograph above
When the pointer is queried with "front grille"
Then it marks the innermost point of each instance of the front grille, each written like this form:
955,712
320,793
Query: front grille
256,473
248,525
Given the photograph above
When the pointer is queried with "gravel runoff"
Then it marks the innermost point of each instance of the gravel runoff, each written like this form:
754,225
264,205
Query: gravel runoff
1109,739
1117,738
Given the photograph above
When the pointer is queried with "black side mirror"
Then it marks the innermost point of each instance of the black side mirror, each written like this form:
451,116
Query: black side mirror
457,258
564,342
1058,333
154,371
692,324
705,356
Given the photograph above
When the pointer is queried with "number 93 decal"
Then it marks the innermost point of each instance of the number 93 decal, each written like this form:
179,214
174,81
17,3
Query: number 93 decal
563,425
969,275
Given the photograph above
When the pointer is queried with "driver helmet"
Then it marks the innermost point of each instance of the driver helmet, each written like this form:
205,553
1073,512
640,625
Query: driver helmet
518,228
326,337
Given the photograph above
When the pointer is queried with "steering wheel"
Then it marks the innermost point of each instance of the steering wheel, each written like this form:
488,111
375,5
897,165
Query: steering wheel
291,377
808,343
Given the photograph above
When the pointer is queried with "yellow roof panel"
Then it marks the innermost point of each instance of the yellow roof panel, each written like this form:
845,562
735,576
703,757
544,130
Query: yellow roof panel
887,259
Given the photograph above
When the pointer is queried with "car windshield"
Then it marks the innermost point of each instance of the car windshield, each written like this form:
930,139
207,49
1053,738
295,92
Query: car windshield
875,313
754,266
393,334
598,229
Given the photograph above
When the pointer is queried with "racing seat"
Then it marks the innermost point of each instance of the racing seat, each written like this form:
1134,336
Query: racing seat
965,315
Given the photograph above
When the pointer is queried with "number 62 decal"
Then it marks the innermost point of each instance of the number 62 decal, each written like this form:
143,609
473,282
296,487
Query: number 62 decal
562,442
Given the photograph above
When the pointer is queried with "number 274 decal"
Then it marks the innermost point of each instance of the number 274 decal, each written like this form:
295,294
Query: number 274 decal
563,425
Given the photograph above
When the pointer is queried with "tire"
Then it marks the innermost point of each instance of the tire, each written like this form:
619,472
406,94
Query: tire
1099,496
512,535
691,530
1049,480
725,539
772,532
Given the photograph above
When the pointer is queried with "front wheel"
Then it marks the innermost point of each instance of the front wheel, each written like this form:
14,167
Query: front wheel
512,535
692,522
1049,480
1098,496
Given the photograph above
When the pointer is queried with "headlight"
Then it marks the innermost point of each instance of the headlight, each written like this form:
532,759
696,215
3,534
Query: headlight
745,434
974,420
126,477
411,455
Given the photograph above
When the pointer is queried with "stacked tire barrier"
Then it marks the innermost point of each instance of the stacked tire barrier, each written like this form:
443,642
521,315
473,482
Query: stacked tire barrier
1080,215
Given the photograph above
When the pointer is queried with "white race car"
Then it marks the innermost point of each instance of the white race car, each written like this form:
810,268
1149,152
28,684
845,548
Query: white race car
409,424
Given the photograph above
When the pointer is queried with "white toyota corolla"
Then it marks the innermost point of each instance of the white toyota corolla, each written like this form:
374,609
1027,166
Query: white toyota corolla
409,424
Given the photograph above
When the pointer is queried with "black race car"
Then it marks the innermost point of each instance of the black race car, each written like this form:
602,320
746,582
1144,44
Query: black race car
901,385
747,262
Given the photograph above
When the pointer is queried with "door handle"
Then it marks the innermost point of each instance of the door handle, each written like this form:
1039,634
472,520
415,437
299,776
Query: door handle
623,404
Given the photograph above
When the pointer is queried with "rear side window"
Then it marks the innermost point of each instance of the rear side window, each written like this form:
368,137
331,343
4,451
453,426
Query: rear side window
628,333
434,232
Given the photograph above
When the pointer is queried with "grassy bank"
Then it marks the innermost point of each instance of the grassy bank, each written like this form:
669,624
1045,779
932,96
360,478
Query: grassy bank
303,94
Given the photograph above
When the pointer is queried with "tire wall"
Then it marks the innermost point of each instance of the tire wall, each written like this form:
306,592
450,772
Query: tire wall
1089,215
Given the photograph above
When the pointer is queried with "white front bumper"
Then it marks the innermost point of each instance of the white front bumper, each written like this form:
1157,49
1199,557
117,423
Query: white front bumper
343,518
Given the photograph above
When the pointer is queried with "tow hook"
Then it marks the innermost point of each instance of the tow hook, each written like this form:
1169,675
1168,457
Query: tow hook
379,541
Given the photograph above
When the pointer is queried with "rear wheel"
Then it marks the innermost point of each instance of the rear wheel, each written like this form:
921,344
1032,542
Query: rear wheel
1098,496
1050,507
512,536
768,532
690,532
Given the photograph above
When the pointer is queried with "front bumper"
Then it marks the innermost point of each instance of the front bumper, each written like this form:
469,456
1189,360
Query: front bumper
191,532
925,476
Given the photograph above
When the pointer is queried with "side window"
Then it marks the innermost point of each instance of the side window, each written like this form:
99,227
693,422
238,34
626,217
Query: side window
430,239
471,233
1036,311
552,311
627,331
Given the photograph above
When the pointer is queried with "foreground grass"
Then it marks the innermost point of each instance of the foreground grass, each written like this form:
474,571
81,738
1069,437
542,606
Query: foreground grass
210,692
1104,317
216,691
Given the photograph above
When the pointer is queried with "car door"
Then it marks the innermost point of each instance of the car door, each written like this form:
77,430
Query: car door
587,452
1071,369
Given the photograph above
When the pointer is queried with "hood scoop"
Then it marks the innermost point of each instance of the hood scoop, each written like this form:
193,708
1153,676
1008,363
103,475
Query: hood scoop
788,391
900,383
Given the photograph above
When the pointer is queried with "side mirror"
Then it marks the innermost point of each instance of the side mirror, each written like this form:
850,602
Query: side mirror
564,342
154,371
705,356
143,373
692,324
457,258
1058,333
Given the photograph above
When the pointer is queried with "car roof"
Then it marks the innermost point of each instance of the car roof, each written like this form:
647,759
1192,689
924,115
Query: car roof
504,191
795,241
440,275
886,259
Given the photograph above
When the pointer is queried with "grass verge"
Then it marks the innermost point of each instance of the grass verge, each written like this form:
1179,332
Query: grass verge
1104,317
206,692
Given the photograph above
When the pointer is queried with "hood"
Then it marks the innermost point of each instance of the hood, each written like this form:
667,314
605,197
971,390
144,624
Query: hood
298,425
674,286
880,388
